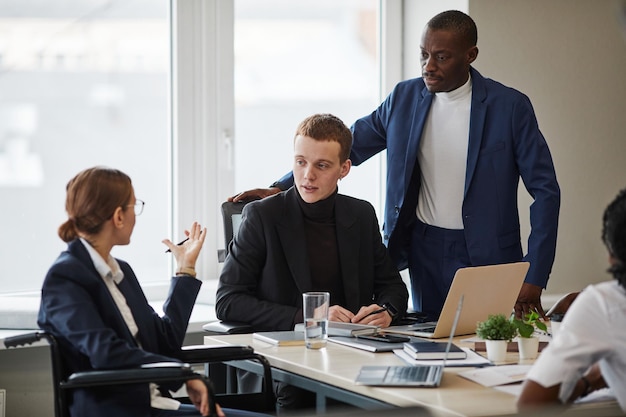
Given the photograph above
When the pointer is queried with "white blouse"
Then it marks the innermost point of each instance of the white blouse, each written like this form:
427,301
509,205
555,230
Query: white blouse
594,329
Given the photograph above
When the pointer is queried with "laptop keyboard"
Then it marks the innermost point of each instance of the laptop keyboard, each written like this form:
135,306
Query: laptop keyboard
428,329
408,373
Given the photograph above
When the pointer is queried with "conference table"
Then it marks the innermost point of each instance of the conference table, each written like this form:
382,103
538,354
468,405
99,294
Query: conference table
330,372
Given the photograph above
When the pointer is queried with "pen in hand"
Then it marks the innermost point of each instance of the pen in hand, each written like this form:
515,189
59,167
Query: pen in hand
380,310
178,244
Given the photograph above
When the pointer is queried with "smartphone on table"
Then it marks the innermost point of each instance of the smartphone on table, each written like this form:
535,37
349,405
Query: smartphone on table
389,338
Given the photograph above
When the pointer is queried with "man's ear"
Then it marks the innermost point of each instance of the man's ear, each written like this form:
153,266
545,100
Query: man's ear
345,168
472,54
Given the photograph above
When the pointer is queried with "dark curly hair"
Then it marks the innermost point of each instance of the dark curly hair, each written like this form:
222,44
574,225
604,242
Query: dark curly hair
456,21
614,235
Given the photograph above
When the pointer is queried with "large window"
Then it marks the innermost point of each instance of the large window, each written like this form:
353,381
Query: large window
82,83
94,82
294,59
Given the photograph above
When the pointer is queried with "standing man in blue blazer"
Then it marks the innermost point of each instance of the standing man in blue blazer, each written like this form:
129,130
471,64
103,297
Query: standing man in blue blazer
457,145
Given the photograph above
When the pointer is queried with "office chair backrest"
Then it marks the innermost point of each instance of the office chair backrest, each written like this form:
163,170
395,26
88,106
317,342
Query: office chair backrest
58,375
231,215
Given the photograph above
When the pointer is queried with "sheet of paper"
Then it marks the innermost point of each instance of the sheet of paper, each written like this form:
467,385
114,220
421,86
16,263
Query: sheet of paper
472,359
497,375
601,395
513,389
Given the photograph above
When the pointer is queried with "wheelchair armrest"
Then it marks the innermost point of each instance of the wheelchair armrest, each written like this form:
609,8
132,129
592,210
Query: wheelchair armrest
228,353
152,372
227,327
201,353
23,339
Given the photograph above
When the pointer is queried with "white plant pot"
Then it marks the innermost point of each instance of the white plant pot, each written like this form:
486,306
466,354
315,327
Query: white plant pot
528,347
496,350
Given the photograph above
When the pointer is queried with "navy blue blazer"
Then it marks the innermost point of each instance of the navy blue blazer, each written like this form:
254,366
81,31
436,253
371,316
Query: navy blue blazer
505,144
267,268
77,308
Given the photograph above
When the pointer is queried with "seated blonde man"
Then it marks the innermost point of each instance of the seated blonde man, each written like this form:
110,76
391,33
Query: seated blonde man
310,238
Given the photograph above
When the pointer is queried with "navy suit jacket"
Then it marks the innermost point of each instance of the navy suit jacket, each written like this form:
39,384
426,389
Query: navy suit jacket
267,268
505,144
77,308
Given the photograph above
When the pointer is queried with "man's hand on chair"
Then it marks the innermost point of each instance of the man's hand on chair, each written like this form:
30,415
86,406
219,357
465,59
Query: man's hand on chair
254,194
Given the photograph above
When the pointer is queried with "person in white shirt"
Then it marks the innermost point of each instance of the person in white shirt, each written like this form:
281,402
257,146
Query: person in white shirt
589,351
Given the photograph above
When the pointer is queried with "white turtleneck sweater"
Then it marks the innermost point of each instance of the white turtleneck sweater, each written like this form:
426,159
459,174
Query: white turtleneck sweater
443,158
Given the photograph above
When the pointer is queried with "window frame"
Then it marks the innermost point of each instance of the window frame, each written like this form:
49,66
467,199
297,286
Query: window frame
202,118
202,111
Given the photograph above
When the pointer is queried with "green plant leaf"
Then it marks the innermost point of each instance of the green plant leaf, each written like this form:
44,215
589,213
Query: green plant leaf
542,326
496,327
526,327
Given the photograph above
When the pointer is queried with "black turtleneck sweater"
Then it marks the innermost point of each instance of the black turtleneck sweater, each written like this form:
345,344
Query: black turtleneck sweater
321,242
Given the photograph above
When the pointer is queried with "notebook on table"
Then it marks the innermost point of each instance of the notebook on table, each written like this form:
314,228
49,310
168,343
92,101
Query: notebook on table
433,351
409,376
370,345
280,338
491,289
336,328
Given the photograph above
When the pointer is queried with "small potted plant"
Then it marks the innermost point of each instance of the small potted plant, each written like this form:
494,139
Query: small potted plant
527,343
497,331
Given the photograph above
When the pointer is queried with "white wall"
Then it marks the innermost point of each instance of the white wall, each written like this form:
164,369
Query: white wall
569,57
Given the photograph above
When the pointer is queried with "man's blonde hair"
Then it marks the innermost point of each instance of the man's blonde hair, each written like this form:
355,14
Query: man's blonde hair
326,127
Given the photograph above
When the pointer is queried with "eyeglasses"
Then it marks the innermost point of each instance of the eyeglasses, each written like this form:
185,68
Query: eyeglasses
138,206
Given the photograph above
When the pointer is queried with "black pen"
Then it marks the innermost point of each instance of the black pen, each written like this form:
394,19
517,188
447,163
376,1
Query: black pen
380,310
178,244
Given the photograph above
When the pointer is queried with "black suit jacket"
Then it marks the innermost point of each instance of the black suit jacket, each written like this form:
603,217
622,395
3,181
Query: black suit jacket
77,308
267,268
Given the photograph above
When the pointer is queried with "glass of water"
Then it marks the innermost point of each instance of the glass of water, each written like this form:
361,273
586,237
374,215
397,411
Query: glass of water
315,309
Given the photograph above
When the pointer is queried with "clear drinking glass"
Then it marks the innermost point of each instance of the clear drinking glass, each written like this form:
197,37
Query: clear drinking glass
315,309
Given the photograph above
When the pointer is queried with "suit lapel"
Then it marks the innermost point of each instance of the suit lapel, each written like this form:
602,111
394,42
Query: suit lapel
348,245
291,234
478,112
80,252
419,116
133,300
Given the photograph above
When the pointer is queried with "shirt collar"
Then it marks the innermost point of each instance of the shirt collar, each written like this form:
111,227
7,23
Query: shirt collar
458,93
107,269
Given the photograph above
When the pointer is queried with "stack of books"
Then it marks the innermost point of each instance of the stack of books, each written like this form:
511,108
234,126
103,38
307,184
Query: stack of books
432,350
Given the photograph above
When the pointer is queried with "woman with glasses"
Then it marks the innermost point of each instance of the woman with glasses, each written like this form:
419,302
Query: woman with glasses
95,307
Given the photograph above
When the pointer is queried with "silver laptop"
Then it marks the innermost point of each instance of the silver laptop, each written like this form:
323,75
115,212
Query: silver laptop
491,289
409,376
